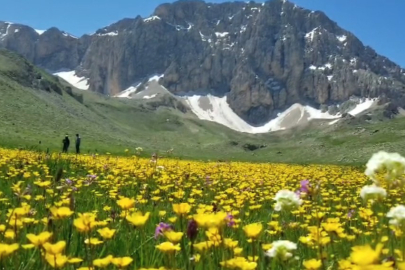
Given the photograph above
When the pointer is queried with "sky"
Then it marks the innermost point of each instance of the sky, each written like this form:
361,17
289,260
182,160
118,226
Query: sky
377,23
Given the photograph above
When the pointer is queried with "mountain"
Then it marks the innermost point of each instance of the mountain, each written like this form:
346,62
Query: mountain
253,60
38,109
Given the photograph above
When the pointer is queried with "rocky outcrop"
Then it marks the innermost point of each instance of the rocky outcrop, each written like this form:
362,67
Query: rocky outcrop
265,57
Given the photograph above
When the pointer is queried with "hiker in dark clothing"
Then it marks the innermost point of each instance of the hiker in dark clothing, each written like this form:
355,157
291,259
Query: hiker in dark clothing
66,143
78,141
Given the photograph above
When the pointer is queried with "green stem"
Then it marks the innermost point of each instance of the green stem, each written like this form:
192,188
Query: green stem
29,260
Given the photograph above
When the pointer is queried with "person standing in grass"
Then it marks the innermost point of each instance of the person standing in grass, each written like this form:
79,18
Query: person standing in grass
78,141
66,143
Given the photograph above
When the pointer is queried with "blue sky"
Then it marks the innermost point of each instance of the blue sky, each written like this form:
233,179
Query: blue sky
378,23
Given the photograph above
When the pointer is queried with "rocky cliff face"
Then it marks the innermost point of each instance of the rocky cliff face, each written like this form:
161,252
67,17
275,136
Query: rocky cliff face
265,57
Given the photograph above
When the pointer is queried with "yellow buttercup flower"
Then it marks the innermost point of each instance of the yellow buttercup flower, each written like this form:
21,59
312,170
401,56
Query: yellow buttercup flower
168,247
62,212
40,239
56,260
6,249
103,262
85,222
54,249
106,233
253,230
93,242
211,220
365,255
126,203
138,219
172,236
312,264
182,209
203,246
122,262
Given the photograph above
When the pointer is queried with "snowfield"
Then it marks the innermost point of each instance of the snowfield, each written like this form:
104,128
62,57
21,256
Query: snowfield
40,32
217,109
365,105
147,93
81,83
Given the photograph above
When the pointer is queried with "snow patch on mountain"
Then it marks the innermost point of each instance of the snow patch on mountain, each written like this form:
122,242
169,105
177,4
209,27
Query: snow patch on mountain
68,35
130,90
128,93
156,78
39,32
221,35
342,38
2,36
326,66
71,77
311,35
363,106
152,18
111,34
333,122
217,109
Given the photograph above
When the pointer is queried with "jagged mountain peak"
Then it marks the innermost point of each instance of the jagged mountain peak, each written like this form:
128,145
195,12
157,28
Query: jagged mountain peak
264,57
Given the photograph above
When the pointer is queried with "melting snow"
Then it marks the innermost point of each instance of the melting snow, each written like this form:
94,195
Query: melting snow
149,97
132,89
16,30
311,35
68,35
156,78
152,18
40,32
330,77
361,107
342,38
221,35
217,110
353,61
180,27
127,92
81,83
108,34
6,33
326,66
204,38
334,122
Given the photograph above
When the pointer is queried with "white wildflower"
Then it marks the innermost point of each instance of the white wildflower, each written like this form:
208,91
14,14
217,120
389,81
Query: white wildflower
281,249
397,215
286,200
372,192
393,163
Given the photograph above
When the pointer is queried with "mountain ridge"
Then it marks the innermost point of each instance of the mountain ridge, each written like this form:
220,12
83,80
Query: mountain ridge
264,57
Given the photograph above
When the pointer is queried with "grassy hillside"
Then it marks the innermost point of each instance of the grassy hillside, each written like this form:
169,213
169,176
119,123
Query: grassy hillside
35,106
